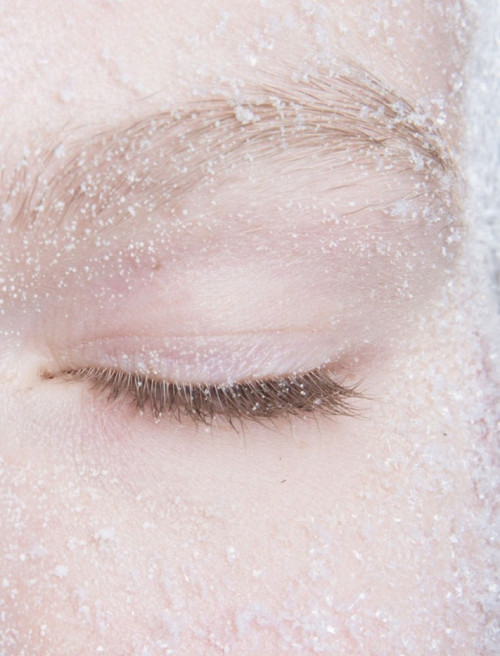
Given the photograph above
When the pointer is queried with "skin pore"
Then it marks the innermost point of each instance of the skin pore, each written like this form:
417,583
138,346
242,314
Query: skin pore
217,193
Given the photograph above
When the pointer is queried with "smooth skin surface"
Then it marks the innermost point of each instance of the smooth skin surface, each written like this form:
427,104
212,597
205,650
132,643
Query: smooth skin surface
363,534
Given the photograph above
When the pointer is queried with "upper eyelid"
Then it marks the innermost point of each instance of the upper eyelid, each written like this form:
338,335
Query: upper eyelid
214,358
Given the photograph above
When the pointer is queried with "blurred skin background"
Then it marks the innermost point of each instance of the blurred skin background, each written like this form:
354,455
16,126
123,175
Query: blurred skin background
220,192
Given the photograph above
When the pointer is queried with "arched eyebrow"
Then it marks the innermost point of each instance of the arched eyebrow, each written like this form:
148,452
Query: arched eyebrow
124,173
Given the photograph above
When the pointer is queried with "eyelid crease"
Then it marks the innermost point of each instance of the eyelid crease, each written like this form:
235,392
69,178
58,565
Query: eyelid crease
268,398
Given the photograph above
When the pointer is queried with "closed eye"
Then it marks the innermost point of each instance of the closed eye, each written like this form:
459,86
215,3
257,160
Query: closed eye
267,398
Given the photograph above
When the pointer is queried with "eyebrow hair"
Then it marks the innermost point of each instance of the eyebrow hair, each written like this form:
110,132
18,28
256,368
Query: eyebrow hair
159,159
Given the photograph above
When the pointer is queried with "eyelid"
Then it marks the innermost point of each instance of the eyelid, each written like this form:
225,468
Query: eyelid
238,377
214,359
268,398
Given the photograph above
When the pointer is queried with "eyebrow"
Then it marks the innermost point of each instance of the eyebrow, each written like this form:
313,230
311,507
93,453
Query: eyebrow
126,172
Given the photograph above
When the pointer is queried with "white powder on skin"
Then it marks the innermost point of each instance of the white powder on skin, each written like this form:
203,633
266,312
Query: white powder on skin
377,537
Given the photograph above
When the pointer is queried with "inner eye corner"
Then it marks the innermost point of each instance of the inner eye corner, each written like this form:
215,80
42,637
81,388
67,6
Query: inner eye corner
46,375
55,374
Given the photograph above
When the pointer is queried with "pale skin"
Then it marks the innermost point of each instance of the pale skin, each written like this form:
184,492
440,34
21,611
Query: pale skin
308,534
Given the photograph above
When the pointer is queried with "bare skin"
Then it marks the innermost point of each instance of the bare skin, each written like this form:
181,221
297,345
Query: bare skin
125,534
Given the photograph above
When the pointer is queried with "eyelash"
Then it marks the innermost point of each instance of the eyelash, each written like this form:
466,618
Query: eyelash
269,398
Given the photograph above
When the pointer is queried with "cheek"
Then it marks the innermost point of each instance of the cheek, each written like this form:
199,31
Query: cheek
262,551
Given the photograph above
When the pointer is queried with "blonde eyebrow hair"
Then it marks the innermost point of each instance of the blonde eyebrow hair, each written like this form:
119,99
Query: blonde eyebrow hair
122,172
